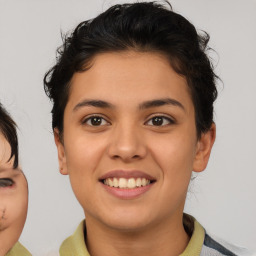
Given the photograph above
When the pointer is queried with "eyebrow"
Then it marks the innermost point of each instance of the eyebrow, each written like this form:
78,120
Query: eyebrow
144,105
160,102
9,169
93,103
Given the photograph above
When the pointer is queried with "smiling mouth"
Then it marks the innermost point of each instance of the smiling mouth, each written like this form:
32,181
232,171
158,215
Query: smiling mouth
129,183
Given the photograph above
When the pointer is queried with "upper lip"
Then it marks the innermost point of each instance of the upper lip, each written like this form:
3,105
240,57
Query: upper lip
126,174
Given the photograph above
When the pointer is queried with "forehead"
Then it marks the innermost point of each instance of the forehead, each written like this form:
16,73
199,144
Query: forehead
5,151
6,164
129,75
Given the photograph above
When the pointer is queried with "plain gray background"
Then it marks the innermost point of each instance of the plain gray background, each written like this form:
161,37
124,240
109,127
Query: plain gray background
222,198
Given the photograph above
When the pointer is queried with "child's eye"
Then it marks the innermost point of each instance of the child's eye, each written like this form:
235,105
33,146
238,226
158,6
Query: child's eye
159,121
6,182
95,121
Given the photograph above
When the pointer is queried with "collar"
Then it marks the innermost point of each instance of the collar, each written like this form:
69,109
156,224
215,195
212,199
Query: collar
18,250
196,241
75,245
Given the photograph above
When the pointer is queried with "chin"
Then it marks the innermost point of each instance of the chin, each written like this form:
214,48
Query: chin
128,226
126,221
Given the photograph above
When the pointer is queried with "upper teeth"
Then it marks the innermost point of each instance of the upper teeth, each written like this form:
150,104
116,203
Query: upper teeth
126,183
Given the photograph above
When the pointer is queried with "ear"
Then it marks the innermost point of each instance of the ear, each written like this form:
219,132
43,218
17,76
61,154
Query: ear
61,152
204,147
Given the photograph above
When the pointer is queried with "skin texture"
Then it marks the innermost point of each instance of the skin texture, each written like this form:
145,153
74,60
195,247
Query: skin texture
127,139
13,200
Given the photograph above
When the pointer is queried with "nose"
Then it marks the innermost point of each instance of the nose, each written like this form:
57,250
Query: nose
127,144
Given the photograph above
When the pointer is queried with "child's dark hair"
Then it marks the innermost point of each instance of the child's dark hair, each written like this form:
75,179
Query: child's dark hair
142,27
8,129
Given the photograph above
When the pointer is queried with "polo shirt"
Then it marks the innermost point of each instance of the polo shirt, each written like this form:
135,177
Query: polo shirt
18,250
200,244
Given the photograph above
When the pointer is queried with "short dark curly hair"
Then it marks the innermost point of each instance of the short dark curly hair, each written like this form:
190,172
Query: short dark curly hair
142,27
8,129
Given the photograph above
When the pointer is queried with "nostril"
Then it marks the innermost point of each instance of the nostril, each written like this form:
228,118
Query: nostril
126,157
127,150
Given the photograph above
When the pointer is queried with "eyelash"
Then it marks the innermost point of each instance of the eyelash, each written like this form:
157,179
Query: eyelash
85,121
164,120
6,182
97,118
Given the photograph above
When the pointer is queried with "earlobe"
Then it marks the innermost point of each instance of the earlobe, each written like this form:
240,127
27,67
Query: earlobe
204,147
61,152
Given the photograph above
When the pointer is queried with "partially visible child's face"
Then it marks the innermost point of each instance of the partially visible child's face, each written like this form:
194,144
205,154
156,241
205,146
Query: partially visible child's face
130,141
13,199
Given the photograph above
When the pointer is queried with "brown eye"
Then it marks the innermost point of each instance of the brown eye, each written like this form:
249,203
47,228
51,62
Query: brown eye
95,121
157,121
6,182
160,121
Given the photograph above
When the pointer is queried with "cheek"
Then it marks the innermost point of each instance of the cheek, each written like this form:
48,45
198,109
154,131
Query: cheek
83,156
174,152
176,163
84,153
175,155
13,211
3,222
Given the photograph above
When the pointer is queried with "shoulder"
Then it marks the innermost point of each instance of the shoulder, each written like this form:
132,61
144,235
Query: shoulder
214,246
18,250
208,244
75,245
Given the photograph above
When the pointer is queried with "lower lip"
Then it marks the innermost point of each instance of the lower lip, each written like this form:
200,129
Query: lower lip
130,193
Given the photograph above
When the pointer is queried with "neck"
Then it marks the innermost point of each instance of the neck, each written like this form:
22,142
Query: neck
6,241
167,238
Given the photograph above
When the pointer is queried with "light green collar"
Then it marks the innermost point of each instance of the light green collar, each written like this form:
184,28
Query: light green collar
75,244
196,241
18,250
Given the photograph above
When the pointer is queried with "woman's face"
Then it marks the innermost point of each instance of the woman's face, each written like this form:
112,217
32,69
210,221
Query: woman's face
13,199
130,142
